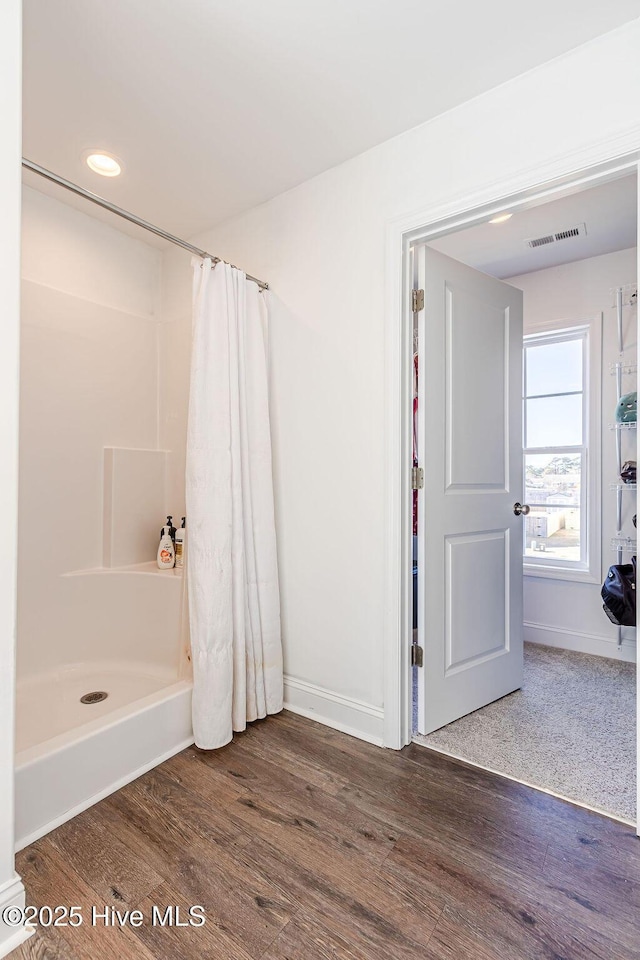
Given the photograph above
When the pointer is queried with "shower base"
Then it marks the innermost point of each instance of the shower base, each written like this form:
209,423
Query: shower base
70,754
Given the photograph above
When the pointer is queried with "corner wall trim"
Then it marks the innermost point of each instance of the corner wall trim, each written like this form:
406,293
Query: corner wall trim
12,895
579,642
354,717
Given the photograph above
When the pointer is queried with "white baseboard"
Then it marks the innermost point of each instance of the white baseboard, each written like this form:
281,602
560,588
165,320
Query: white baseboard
12,895
354,717
580,642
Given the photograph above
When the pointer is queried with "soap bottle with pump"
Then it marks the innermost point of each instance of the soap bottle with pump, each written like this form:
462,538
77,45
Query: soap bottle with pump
179,543
166,556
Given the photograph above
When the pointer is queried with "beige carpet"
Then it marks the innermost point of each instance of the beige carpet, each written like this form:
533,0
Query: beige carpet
571,729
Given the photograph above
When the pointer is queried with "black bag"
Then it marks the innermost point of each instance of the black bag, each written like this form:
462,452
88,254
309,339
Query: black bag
619,594
628,472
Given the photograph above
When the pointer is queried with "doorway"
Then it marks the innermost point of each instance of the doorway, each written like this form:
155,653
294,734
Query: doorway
574,659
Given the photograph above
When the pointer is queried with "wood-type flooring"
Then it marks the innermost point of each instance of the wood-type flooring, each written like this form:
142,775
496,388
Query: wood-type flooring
302,843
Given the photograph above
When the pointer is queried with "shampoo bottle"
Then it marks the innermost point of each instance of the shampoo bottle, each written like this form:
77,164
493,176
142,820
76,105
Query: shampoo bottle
180,535
166,552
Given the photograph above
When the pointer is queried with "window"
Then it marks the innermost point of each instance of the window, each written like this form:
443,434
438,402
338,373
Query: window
557,452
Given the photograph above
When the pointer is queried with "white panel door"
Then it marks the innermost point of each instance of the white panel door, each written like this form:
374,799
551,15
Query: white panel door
470,447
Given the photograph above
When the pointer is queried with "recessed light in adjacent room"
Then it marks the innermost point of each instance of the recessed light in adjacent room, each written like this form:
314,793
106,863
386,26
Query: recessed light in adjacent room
104,164
501,218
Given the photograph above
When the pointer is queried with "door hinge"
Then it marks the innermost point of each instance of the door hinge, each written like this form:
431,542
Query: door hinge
417,655
417,300
417,478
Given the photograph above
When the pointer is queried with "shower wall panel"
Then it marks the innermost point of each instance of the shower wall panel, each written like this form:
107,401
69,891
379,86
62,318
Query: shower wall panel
89,380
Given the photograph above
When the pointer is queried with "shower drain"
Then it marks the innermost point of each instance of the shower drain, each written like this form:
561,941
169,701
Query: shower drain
94,697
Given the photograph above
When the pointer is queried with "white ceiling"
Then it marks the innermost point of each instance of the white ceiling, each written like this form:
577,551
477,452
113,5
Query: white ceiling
608,211
217,106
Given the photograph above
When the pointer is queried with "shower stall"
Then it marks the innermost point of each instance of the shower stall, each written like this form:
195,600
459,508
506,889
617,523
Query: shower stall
104,688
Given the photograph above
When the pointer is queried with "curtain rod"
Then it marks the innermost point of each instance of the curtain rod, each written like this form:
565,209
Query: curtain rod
131,217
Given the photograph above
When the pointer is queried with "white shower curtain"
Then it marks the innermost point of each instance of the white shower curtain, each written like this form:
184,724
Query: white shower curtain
232,573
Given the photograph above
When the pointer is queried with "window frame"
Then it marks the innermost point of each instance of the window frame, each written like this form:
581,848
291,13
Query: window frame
588,568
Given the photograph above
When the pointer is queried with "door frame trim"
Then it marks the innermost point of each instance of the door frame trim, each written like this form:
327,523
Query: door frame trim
594,163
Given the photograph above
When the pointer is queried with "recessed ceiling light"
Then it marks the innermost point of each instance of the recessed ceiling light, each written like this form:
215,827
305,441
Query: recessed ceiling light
104,164
501,218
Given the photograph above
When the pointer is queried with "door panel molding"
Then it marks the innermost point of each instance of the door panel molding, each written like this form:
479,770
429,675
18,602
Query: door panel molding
489,469
490,565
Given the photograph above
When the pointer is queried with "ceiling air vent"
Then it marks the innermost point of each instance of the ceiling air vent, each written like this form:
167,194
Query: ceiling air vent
567,234
540,241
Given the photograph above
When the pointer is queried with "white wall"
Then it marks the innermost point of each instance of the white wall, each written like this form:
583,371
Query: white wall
89,381
322,248
11,890
561,612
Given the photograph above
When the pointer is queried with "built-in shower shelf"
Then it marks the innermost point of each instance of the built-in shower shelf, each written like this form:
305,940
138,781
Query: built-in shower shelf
149,568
